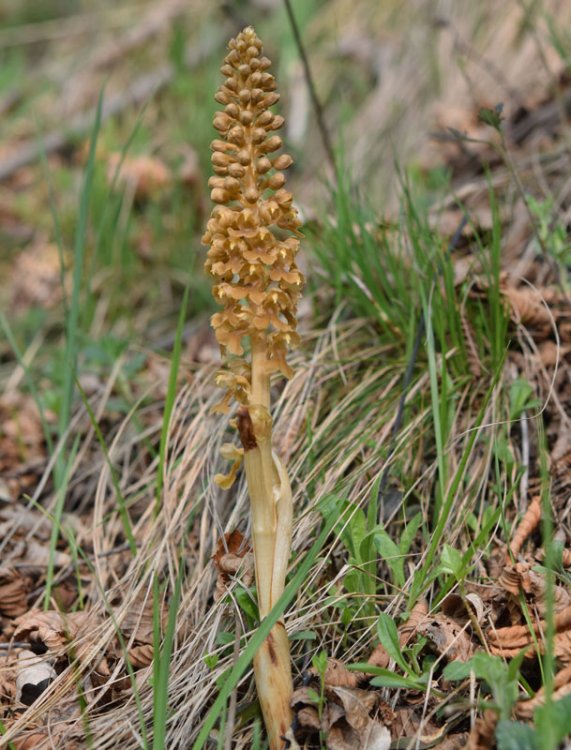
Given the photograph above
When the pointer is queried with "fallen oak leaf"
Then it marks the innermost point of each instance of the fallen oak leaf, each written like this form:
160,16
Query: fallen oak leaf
14,590
51,630
233,553
355,728
450,639
337,675
529,306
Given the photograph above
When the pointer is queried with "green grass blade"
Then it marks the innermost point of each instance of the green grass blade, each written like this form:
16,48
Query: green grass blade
161,662
63,464
73,316
170,398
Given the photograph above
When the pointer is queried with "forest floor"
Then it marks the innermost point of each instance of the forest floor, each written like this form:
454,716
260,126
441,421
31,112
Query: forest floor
425,427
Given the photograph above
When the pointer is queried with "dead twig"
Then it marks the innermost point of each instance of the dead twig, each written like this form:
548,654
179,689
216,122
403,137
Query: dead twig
325,136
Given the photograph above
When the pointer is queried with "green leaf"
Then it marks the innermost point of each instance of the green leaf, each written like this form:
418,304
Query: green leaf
353,580
392,680
319,662
211,660
389,637
303,635
495,672
514,665
313,695
387,678
451,561
409,533
553,720
223,638
492,117
457,670
513,735
246,603
330,506
355,531
392,555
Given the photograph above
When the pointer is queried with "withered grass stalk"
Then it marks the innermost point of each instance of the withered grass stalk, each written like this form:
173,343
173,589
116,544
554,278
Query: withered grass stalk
252,235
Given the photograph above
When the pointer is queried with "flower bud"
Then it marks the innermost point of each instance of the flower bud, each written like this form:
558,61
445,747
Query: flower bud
283,161
272,144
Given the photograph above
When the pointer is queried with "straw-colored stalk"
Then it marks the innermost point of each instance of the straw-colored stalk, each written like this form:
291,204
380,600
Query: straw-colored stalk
252,257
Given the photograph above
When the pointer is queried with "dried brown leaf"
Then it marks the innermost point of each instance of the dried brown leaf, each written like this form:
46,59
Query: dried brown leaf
136,617
308,718
8,683
337,675
561,687
562,647
34,740
14,590
22,448
36,279
511,578
526,526
351,718
408,723
144,175
483,731
141,655
454,742
447,636
509,641
356,728
233,554
529,307
461,609
52,630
